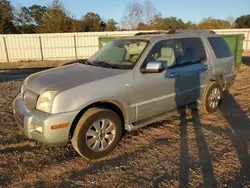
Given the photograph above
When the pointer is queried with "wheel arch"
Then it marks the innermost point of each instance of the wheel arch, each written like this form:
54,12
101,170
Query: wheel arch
219,78
113,105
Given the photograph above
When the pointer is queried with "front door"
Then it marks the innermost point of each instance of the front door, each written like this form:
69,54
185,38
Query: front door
154,92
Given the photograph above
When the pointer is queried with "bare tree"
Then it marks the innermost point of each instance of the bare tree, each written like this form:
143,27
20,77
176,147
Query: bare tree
138,14
150,11
231,20
22,18
133,16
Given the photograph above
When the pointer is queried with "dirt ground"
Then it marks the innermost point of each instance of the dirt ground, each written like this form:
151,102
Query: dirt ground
32,64
193,149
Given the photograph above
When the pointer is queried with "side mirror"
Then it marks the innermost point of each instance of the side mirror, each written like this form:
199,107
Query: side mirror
153,67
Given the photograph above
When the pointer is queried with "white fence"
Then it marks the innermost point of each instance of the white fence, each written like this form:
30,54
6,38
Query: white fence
63,46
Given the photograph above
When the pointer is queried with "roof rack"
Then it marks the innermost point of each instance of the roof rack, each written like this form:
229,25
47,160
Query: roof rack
188,31
176,31
151,33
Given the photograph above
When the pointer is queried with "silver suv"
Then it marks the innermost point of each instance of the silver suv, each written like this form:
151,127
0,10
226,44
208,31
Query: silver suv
129,83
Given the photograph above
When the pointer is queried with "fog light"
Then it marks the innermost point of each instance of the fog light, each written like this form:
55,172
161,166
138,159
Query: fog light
38,129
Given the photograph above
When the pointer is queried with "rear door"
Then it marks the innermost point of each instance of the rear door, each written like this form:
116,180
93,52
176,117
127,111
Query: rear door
154,92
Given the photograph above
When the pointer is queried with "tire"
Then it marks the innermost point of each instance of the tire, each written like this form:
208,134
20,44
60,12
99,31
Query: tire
207,105
86,132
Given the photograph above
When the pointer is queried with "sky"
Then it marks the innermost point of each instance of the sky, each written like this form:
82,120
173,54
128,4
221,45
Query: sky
187,10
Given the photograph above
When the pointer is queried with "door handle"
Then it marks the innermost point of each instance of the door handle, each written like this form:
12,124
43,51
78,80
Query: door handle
174,74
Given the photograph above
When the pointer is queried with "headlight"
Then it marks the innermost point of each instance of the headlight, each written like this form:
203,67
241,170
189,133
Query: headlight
45,100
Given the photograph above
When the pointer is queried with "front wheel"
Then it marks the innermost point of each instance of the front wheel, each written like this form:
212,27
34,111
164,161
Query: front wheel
211,98
97,133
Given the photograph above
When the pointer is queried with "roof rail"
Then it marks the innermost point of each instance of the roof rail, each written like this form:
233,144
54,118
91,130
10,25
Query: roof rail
151,33
188,31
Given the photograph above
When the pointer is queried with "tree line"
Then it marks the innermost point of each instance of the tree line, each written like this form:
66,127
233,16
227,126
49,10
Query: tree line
54,18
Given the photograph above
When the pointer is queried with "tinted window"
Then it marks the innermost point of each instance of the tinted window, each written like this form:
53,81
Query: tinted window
191,50
220,47
164,52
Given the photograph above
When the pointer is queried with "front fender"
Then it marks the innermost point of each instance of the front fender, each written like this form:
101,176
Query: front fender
118,90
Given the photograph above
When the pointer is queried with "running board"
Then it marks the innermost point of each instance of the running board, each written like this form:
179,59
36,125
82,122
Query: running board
157,118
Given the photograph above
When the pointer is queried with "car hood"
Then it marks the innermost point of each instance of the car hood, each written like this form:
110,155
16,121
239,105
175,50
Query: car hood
67,77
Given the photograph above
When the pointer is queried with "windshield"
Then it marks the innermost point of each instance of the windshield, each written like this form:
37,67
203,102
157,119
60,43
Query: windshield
120,54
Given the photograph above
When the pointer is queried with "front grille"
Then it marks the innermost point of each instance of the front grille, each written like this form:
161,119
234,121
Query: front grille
29,99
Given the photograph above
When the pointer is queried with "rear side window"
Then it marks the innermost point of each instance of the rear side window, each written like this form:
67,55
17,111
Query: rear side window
220,47
191,50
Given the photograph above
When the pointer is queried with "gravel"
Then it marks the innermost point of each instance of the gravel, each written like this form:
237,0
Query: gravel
196,150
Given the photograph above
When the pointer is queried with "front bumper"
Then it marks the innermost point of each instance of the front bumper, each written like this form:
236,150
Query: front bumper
28,121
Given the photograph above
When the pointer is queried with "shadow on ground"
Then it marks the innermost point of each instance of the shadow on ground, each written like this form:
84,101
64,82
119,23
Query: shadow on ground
246,60
238,131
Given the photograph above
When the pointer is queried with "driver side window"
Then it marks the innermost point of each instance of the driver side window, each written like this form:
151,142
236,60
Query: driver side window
163,52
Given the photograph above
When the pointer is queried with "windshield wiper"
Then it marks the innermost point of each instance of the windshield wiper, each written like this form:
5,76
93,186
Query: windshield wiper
104,64
84,61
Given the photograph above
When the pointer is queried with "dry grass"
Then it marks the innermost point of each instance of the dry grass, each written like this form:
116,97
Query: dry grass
196,150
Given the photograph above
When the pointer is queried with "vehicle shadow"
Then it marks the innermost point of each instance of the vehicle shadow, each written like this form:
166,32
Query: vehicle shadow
239,133
18,149
246,60
205,159
119,161
181,98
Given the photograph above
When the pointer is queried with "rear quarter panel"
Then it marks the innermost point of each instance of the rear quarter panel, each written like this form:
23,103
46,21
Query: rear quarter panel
221,66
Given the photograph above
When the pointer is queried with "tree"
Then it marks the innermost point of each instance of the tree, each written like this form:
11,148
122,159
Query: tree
57,20
92,22
111,25
76,25
211,23
138,16
36,13
231,20
150,11
190,25
6,17
143,26
23,20
159,23
133,16
243,21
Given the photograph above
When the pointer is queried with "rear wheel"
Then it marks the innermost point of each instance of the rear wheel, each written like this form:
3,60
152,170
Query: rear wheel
211,98
97,133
